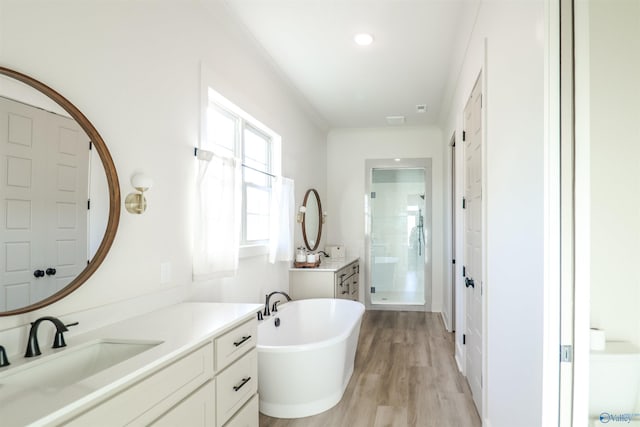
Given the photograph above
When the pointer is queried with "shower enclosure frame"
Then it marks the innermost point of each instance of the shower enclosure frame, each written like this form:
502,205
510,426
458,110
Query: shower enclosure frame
426,164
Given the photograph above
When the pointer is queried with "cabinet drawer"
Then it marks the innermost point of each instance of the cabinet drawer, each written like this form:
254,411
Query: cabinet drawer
247,416
171,383
236,385
196,410
342,275
235,343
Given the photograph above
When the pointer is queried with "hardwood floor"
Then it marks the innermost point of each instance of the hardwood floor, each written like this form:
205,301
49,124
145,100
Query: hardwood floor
404,375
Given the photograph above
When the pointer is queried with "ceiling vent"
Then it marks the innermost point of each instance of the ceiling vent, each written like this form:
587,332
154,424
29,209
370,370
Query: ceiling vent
421,108
395,120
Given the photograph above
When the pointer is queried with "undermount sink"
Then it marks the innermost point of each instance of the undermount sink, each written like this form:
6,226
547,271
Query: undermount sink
70,365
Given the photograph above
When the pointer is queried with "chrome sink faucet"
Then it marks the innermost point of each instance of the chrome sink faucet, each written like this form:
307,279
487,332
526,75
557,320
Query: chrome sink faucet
33,349
267,312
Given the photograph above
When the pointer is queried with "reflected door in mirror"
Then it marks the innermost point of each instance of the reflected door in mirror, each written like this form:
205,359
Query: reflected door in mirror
50,241
43,203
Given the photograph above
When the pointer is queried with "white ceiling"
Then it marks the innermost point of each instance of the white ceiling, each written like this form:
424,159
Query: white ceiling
416,50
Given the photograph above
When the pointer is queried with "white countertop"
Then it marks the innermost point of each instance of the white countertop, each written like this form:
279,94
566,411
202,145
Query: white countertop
181,328
329,264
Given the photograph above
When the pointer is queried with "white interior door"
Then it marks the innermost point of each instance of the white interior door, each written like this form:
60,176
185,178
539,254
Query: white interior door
43,203
20,159
66,246
472,141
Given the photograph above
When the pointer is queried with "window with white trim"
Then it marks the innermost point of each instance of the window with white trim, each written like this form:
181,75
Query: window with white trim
231,131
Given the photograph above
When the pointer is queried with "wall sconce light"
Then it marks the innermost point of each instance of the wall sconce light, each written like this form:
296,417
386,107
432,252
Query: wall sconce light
136,202
324,217
301,212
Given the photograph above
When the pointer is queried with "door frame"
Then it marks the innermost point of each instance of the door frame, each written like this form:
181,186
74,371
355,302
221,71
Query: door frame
558,208
451,324
425,163
575,222
482,80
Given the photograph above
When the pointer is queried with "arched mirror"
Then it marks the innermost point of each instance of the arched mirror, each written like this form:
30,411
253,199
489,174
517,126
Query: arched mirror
312,221
59,195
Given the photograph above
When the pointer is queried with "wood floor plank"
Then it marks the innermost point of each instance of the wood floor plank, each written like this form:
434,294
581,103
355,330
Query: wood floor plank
404,375
390,416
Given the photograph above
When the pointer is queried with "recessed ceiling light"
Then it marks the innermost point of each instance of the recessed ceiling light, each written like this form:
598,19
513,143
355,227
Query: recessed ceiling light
397,160
363,39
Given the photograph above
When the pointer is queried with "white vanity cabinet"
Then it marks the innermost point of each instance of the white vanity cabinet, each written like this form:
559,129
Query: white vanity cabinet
149,398
237,367
196,410
334,279
205,388
201,371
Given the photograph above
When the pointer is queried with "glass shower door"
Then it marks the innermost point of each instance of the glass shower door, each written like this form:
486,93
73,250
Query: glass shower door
400,218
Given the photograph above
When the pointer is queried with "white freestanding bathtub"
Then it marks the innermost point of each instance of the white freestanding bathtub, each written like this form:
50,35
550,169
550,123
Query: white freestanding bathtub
304,365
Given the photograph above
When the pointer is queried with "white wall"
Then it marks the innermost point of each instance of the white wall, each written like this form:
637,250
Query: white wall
615,150
347,150
133,68
513,66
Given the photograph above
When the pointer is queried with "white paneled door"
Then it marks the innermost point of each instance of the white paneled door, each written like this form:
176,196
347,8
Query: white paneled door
43,203
472,141
67,244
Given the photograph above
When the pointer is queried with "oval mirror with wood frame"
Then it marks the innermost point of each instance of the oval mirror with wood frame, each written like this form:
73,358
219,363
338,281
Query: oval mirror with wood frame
312,220
59,195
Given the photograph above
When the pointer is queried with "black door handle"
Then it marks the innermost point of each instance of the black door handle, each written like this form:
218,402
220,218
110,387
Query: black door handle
38,273
51,271
469,282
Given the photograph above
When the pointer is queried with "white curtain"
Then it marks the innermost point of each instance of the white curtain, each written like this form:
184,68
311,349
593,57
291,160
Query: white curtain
281,220
218,216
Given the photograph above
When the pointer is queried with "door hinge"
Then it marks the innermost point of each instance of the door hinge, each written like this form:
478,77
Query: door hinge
88,204
464,271
373,194
90,145
373,289
464,339
453,261
464,136
464,203
566,353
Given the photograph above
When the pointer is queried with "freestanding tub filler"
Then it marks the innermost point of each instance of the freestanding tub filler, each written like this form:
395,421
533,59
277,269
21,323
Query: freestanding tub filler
305,363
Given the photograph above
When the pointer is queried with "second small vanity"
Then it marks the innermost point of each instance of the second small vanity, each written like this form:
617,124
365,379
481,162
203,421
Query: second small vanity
332,279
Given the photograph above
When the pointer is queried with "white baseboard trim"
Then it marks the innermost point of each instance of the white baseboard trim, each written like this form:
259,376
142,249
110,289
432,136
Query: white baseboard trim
446,322
458,363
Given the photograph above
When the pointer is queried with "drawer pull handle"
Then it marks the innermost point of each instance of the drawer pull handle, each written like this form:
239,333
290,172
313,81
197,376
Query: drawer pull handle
242,341
242,383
